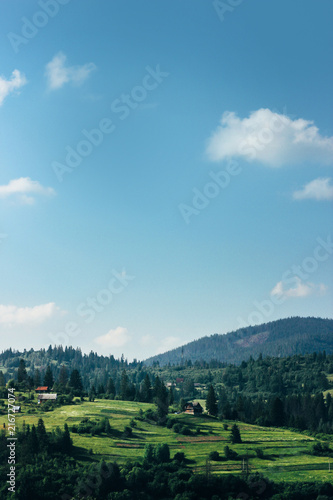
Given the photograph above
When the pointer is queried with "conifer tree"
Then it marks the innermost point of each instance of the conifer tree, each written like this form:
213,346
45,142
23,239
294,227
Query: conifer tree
211,404
235,434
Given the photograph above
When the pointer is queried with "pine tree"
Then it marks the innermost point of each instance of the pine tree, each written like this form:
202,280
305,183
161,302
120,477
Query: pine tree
111,389
37,379
124,385
63,377
146,389
277,412
48,377
67,442
161,400
211,404
21,372
235,434
75,381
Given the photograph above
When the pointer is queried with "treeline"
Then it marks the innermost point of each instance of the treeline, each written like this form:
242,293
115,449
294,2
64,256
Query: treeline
265,375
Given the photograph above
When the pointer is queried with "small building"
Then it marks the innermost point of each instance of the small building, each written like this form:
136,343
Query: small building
17,409
193,408
179,380
47,397
42,389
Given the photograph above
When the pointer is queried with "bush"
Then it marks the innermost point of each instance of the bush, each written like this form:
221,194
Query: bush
177,428
162,453
225,427
230,454
169,423
186,431
128,431
260,453
179,456
214,455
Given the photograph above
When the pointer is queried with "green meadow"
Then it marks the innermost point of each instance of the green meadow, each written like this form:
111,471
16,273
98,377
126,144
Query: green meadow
285,453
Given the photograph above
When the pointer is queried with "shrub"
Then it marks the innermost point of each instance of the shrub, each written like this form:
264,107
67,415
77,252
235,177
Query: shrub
162,453
186,431
230,454
177,428
260,453
128,431
169,423
225,427
214,455
179,456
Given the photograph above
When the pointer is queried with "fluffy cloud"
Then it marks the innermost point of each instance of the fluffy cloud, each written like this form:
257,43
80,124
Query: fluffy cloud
58,74
16,81
300,289
114,338
270,138
318,189
24,189
13,315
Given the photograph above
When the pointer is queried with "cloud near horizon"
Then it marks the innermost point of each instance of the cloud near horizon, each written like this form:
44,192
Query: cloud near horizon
16,81
270,138
117,337
25,190
58,74
318,189
13,315
300,289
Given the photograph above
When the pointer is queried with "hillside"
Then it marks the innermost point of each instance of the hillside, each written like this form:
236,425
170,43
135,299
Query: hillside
284,337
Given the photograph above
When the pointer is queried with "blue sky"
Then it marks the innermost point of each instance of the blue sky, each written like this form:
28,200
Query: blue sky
166,170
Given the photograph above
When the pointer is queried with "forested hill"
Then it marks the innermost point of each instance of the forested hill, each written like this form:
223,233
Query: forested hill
281,338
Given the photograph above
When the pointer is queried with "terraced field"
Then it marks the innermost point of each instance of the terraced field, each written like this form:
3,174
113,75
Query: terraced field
285,456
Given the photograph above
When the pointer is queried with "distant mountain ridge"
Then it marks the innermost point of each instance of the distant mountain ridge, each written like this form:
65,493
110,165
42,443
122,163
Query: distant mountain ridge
284,337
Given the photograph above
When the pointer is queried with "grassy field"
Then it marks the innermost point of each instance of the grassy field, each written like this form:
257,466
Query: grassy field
285,452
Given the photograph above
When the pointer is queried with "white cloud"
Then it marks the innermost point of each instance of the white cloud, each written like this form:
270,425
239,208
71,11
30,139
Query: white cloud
24,189
318,189
270,138
114,338
16,81
58,74
13,315
300,289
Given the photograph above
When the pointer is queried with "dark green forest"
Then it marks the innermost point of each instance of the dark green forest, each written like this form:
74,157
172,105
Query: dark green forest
281,338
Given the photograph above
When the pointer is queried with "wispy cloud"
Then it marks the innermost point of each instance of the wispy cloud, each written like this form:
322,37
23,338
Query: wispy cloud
299,289
13,315
114,338
318,189
270,138
58,74
167,344
25,190
160,345
16,81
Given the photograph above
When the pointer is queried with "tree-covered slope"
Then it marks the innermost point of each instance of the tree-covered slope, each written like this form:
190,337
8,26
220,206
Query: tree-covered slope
284,337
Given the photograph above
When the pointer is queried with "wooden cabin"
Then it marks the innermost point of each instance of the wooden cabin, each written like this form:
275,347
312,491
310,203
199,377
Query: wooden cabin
46,397
193,408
